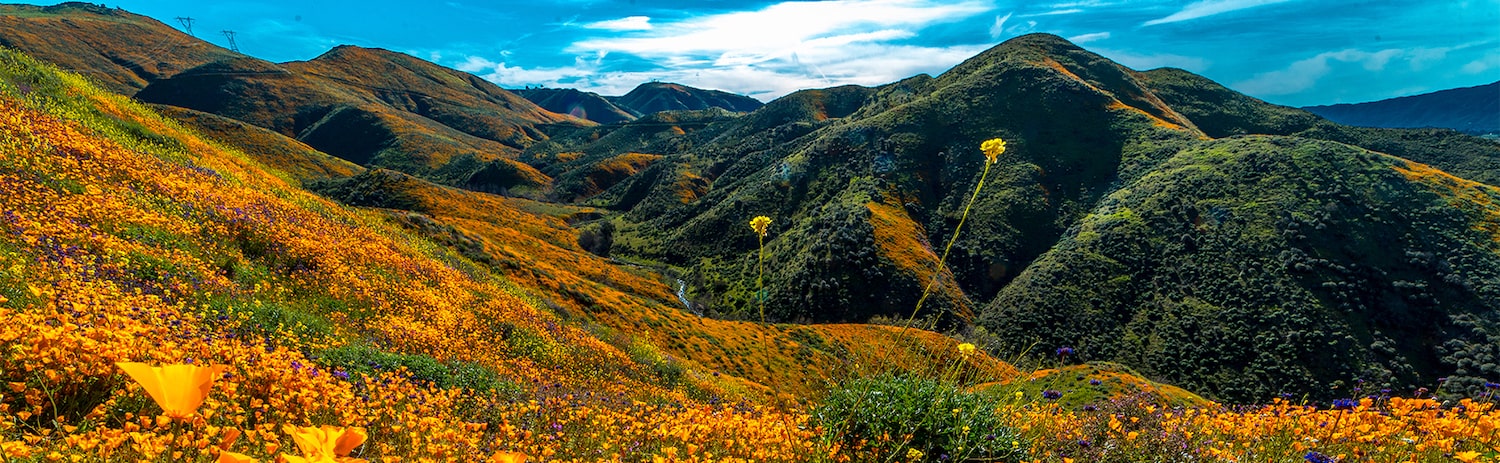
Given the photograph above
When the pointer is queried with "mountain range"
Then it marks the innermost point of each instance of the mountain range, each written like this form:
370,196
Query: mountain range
1151,218
1472,110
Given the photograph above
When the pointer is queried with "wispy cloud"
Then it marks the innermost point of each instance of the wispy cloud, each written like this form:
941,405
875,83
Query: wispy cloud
1304,74
998,29
1206,8
1086,38
766,52
630,23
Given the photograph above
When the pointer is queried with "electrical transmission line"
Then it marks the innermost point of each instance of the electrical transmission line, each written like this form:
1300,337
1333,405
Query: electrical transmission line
187,23
232,46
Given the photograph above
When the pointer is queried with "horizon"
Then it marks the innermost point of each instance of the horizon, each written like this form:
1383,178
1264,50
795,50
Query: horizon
1294,53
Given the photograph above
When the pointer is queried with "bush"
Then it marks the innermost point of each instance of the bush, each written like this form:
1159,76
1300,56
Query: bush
888,416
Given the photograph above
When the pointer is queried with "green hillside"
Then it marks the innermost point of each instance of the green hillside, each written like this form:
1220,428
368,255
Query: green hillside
1253,266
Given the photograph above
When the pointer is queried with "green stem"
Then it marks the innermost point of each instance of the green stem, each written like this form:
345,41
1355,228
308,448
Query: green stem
760,277
942,261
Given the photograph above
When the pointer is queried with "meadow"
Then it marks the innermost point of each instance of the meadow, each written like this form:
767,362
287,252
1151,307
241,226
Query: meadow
168,297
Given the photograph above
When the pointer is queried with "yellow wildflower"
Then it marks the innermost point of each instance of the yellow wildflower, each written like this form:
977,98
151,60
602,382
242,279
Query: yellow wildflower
992,149
966,349
508,457
913,454
759,224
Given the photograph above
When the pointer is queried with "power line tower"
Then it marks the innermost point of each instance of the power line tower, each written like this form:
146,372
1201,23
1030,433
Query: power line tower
187,23
232,46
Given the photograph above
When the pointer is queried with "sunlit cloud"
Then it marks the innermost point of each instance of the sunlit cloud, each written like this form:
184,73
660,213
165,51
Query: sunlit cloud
1304,74
1208,8
631,23
998,29
1086,38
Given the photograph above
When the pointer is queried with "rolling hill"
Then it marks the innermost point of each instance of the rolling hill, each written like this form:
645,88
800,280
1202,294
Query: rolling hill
654,97
580,104
309,237
1472,110
120,50
865,185
380,109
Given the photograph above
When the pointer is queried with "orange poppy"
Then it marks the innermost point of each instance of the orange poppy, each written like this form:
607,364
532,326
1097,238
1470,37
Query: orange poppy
325,444
179,388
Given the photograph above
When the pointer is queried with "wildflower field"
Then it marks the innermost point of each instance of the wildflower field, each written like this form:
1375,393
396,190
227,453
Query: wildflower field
167,297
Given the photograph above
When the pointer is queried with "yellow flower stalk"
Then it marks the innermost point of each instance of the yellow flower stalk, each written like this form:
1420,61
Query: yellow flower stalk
992,150
179,389
966,349
760,223
325,444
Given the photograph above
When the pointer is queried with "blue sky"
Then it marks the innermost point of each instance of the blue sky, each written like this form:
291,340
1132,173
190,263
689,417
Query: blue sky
1293,52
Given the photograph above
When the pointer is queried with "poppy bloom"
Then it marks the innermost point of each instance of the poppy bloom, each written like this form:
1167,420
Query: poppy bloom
508,457
992,149
326,444
231,457
179,389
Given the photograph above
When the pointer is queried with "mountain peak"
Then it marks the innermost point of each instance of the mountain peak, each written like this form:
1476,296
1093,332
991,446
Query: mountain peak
653,97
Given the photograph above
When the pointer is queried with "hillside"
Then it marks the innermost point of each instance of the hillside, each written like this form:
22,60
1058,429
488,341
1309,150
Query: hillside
120,50
854,167
379,109
865,186
652,97
1306,262
1472,110
132,238
576,103
288,305
1221,112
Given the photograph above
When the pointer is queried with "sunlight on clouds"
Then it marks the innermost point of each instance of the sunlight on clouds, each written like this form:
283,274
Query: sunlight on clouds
998,29
1207,8
1086,38
631,23
1305,74
780,28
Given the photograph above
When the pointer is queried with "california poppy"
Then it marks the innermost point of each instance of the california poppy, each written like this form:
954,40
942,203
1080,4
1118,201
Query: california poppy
325,444
179,388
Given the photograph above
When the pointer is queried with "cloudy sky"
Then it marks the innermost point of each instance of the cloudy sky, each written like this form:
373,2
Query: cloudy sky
1293,52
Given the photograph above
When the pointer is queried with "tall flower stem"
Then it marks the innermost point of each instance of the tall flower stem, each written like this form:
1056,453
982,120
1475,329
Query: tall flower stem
760,275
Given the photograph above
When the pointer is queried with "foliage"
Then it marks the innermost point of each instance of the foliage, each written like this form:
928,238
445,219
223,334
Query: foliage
891,415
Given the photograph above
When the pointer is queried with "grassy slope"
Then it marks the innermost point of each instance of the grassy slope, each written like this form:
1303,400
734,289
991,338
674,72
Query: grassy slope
121,51
1222,112
1307,262
654,97
257,274
380,109
581,104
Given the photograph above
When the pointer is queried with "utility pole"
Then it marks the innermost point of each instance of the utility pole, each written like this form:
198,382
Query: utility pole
187,23
232,46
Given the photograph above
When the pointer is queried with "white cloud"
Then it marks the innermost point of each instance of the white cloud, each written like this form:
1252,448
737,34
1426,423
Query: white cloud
1479,66
781,28
1206,8
630,23
1058,12
998,29
1086,38
1304,74
764,53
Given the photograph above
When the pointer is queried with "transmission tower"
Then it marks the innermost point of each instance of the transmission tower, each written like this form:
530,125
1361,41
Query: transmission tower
232,46
187,23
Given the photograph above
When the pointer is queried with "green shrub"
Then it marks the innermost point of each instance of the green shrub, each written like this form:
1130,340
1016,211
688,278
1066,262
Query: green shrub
892,415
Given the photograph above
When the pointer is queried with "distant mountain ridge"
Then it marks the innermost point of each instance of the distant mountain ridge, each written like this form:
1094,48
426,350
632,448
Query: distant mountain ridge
1472,110
654,97
578,103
